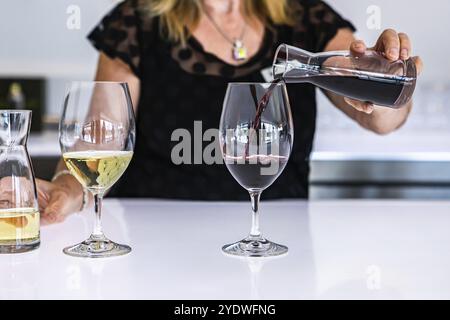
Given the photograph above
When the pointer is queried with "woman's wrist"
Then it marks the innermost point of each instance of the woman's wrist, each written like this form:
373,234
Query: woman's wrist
385,120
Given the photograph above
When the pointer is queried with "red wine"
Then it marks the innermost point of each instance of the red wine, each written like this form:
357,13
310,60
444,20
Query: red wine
392,91
260,107
262,103
256,172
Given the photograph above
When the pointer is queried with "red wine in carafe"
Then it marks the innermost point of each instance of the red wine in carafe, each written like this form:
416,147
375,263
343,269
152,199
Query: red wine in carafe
383,91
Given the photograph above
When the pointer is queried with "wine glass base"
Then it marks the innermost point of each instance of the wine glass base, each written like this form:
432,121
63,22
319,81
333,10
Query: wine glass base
18,248
97,247
255,247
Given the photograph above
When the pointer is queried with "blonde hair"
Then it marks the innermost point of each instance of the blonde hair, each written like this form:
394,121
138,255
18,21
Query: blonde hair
176,15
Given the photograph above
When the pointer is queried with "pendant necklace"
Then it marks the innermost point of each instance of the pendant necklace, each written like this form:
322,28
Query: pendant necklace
239,51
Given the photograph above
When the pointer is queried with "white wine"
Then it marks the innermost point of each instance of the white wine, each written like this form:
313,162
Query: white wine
97,170
19,226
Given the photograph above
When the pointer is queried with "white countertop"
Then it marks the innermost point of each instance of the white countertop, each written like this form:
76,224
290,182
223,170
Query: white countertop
345,249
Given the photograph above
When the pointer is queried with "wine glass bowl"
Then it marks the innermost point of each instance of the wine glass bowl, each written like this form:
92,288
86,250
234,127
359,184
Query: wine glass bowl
97,135
256,136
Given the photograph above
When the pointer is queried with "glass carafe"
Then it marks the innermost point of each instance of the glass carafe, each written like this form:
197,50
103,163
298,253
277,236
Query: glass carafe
367,77
19,211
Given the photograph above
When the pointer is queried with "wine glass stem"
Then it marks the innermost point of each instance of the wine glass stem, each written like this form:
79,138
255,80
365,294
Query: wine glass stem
98,230
255,232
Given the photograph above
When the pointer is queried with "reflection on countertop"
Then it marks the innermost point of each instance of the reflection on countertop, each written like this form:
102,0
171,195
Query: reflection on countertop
337,249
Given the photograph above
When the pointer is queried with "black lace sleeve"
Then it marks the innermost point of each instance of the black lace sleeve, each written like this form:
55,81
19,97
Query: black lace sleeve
318,24
117,35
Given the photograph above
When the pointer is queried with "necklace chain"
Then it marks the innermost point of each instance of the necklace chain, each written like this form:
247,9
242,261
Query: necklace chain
222,33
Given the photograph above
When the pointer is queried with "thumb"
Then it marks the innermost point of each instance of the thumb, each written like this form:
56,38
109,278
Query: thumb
358,47
361,106
44,189
419,64
58,207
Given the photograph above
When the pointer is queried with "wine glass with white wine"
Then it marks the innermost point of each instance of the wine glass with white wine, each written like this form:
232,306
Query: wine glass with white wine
97,134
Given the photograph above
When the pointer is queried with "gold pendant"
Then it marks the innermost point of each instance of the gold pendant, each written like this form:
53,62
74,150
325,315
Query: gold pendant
239,51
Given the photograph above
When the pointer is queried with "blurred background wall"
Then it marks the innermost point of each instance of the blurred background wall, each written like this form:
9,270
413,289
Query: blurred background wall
348,161
36,41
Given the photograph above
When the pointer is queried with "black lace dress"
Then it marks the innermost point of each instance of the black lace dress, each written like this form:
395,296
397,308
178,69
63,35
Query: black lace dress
181,85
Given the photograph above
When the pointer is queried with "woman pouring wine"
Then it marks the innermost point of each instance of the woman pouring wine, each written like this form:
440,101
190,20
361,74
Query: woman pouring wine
178,58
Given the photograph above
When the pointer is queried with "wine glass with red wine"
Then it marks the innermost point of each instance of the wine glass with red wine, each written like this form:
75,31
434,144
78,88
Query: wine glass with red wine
256,136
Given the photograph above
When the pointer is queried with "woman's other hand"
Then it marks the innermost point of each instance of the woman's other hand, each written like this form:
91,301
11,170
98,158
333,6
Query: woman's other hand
58,199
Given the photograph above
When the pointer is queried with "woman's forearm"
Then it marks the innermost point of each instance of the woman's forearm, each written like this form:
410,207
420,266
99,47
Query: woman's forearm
382,120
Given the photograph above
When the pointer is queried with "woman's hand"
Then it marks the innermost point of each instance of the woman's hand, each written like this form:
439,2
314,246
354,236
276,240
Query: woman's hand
393,46
58,200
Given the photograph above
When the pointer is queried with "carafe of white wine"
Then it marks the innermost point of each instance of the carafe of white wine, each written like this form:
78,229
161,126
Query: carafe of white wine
367,77
19,211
